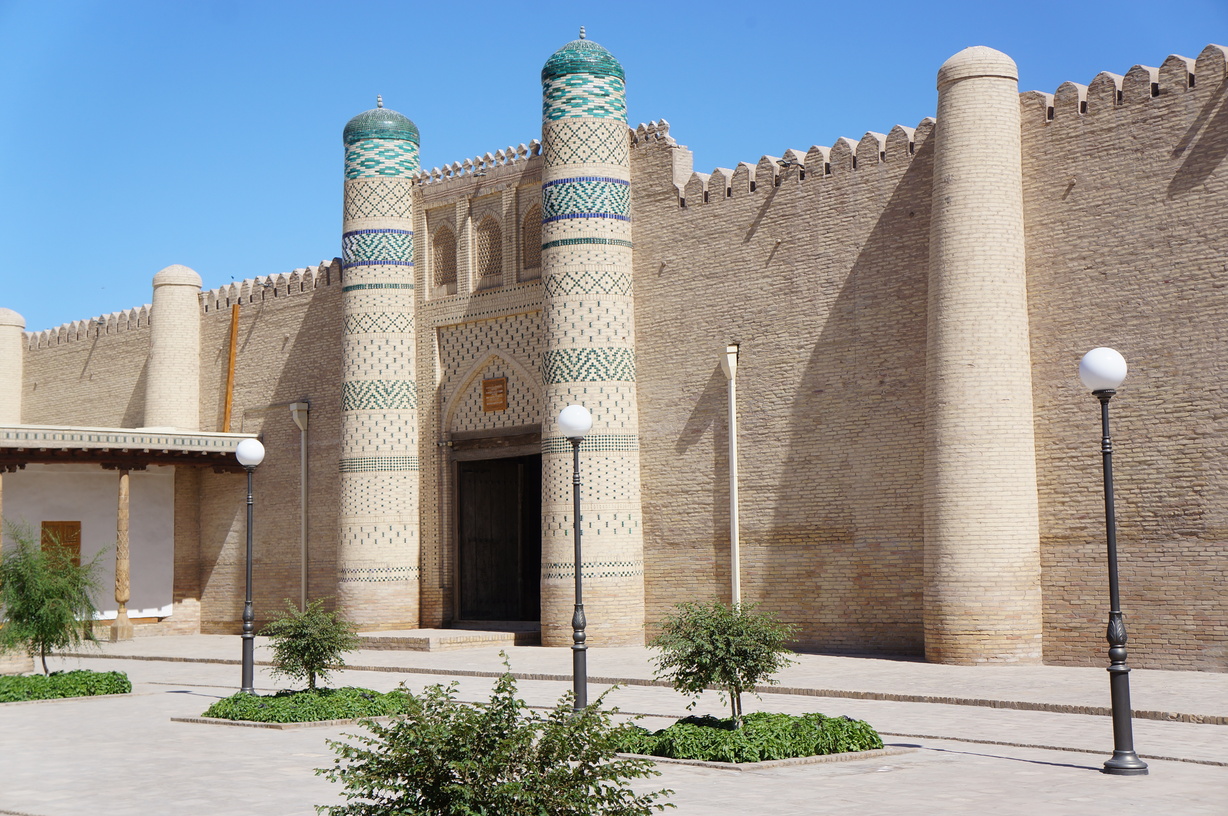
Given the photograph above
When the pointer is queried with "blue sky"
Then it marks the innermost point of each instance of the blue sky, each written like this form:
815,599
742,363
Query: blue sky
140,134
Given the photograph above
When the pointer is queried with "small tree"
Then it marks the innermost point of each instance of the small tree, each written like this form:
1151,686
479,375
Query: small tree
44,597
308,644
733,647
449,758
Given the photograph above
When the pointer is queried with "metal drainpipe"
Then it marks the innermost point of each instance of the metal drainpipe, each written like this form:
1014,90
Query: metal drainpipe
729,365
299,412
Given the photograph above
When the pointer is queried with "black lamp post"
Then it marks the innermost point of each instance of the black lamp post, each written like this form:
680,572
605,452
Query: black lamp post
1103,370
249,453
575,421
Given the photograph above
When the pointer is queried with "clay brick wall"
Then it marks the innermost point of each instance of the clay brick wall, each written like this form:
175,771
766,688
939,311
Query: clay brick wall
90,372
1124,202
288,351
822,281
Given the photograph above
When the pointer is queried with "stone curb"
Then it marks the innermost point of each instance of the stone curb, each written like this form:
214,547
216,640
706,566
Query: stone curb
291,726
63,699
850,756
796,691
1213,762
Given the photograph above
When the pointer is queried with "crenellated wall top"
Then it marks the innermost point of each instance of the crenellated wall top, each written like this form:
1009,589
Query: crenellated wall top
248,291
1142,83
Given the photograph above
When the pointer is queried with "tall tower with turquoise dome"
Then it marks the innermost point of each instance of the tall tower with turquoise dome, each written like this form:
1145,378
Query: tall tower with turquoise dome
589,357
378,553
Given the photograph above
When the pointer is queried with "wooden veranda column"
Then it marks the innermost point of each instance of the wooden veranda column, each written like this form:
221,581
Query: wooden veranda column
121,629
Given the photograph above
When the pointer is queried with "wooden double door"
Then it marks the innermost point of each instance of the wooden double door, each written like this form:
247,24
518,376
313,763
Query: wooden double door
499,542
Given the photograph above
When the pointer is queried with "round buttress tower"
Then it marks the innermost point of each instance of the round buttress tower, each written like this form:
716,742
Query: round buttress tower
589,359
982,532
12,355
172,383
377,581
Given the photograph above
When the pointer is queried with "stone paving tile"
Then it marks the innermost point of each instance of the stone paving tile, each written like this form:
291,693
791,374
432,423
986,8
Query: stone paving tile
124,755
1178,691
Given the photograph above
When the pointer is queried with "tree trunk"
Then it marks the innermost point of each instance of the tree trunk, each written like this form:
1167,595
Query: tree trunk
42,653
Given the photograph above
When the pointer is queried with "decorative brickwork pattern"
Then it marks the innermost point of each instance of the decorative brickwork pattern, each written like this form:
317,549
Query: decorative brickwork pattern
379,198
471,352
489,240
585,141
443,259
531,244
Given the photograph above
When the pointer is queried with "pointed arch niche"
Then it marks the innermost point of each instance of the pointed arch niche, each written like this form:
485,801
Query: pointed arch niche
463,411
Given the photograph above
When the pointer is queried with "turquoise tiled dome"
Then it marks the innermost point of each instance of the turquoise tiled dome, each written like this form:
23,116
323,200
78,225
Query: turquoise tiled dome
582,57
380,123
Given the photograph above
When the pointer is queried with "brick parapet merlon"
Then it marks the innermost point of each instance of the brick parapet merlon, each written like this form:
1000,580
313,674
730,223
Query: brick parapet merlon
503,161
265,287
246,291
90,328
1108,91
844,157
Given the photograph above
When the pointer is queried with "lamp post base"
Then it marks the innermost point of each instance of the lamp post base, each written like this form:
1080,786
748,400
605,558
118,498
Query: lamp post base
1125,763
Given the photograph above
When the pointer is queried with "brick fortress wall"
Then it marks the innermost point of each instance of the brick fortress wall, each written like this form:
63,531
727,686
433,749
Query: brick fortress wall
92,373
1125,186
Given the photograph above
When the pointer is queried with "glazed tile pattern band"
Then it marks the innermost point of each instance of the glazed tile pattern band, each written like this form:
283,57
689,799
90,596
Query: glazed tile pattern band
378,464
588,282
377,574
379,395
379,323
355,287
586,197
372,158
377,247
573,365
593,569
565,242
584,95
593,443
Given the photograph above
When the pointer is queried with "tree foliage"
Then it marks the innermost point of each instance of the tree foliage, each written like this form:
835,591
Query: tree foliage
443,757
310,643
732,647
44,597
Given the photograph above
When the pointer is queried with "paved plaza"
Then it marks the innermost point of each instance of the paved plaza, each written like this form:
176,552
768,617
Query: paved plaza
990,739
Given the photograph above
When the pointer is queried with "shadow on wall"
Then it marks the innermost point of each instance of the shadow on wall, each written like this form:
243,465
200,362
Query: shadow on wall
711,415
1209,150
270,373
134,412
844,550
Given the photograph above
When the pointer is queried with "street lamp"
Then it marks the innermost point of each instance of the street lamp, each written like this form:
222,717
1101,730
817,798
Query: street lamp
1103,370
575,421
249,453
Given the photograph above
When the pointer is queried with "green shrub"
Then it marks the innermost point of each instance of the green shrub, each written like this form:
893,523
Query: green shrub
762,737
446,758
80,683
307,644
44,597
732,647
308,705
